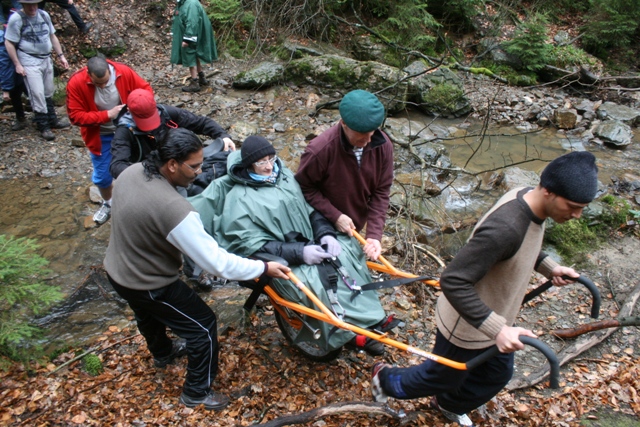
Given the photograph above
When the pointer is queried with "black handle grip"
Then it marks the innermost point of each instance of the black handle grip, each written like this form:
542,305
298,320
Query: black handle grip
595,294
554,365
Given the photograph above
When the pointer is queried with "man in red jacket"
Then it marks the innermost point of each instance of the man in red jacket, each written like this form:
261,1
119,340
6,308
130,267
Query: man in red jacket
95,96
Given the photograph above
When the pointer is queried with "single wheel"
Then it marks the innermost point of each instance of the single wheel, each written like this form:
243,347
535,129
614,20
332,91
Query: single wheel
309,349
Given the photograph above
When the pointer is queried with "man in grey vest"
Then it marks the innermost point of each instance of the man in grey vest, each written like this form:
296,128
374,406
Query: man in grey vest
29,38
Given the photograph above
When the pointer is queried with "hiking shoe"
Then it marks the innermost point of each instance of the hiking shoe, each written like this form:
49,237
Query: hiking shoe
60,124
212,401
202,81
19,124
462,419
206,281
371,346
48,135
388,323
193,86
87,27
377,392
103,214
178,349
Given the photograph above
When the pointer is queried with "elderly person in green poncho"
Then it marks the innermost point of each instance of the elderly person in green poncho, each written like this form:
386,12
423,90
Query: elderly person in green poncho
259,207
193,41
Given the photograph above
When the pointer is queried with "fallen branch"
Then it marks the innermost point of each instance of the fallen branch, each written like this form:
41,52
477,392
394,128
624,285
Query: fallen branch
578,347
368,408
595,326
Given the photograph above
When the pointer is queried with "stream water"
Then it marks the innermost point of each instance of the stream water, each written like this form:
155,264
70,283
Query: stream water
53,211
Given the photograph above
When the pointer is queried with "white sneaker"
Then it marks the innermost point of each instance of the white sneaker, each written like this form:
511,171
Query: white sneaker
462,419
103,214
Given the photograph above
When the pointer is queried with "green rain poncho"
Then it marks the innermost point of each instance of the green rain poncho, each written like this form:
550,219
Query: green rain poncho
243,215
191,23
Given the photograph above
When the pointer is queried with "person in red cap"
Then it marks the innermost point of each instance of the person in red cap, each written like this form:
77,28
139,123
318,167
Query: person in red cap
144,122
95,96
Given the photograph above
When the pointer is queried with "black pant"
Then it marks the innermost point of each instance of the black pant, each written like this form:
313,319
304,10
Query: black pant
75,15
457,391
178,307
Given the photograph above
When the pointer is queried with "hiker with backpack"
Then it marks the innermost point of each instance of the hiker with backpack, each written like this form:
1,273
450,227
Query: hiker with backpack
29,38
11,83
95,96
143,123
258,207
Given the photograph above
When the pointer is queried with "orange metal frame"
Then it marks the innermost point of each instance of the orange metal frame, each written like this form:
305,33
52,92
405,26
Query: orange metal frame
326,315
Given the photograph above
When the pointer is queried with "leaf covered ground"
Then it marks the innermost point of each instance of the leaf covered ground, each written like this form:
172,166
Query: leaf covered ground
267,379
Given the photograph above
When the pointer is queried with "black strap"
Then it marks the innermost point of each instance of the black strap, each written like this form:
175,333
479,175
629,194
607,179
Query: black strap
394,282
328,276
258,288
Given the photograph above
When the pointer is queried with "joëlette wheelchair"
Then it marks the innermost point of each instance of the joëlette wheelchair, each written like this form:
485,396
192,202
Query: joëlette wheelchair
291,316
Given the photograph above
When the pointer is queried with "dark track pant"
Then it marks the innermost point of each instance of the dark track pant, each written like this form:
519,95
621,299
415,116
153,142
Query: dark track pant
75,15
457,391
178,307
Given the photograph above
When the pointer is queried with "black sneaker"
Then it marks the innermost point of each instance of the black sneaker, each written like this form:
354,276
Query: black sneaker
212,401
87,27
371,346
178,348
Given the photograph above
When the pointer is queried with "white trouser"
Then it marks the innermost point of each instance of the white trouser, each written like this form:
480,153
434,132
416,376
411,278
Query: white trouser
39,82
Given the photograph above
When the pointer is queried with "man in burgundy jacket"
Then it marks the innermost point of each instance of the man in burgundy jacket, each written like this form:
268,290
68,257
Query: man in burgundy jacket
95,96
346,172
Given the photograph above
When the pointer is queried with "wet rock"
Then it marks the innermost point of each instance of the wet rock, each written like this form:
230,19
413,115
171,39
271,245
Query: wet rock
620,113
264,75
515,177
565,118
614,133
407,130
94,195
239,131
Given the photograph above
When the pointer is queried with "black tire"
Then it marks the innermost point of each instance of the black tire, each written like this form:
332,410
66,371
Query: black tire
309,349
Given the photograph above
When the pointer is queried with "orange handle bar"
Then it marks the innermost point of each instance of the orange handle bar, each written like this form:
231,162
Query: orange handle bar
327,316
385,266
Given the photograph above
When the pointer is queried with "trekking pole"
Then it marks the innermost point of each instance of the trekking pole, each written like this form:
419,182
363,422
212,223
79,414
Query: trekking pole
386,267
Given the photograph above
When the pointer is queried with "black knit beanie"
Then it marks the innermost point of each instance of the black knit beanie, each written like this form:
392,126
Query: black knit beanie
573,176
254,148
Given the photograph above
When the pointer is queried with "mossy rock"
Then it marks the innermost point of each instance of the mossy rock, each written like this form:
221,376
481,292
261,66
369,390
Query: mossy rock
345,74
264,75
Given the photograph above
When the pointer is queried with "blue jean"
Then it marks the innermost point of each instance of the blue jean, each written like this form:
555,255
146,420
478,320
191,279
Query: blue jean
101,176
179,308
457,391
